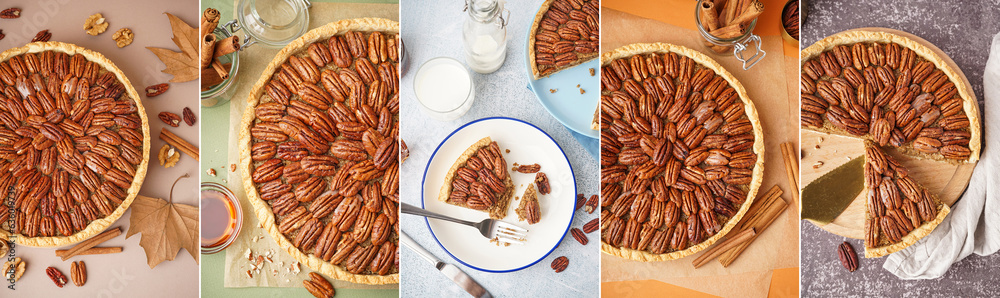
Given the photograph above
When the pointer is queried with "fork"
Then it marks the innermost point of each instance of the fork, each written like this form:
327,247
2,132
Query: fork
503,232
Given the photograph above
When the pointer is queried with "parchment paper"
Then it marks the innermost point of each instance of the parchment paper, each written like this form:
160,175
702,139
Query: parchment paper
769,86
253,60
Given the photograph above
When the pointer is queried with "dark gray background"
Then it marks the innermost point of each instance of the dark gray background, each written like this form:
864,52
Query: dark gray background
963,30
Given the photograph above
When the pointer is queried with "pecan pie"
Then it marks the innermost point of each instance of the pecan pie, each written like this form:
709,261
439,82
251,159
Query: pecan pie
891,90
479,180
681,152
898,210
74,144
319,146
564,34
528,209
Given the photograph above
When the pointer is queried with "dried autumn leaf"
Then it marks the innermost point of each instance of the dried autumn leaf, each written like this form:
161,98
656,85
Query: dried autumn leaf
166,227
184,64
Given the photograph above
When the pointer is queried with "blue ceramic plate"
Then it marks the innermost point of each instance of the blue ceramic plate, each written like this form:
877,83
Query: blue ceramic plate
572,109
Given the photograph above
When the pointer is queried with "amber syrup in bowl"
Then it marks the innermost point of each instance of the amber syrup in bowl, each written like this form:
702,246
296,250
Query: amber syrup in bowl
221,217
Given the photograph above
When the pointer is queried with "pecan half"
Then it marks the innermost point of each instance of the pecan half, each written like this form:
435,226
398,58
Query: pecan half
560,264
848,258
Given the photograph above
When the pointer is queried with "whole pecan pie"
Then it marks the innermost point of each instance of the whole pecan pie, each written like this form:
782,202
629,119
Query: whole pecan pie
889,90
74,144
319,149
681,152
564,34
479,180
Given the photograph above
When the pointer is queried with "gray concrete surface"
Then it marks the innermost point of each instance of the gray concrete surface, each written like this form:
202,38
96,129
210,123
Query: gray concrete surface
963,30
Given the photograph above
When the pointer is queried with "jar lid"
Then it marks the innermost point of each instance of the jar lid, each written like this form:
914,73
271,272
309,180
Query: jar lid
273,23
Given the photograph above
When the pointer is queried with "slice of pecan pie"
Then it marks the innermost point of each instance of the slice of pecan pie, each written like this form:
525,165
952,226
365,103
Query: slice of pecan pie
565,33
682,152
899,211
319,149
528,209
479,180
74,143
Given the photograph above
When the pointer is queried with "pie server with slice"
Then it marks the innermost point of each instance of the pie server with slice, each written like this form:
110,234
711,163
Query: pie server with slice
451,271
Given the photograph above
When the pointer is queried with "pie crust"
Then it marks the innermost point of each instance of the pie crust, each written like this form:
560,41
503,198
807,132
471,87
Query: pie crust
499,208
969,105
535,72
758,147
911,237
261,208
98,225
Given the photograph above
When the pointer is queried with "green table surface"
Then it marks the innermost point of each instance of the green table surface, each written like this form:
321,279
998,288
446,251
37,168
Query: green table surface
215,141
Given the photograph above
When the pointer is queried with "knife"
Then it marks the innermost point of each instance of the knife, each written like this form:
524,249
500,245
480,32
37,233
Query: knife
460,278
826,197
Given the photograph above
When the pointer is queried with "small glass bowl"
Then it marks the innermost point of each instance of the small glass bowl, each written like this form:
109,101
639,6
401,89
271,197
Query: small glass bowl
237,210
219,93
439,114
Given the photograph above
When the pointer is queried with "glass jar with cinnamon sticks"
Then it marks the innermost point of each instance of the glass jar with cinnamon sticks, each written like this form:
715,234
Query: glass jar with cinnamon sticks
727,28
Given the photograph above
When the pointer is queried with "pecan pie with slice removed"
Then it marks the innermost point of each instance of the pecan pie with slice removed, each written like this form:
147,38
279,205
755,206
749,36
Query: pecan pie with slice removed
682,152
318,142
74,143
565,33
479,180
892,90
898,210
528,209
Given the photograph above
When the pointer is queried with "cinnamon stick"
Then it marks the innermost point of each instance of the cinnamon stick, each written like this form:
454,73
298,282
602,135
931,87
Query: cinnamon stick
761,203
709,18
791,168
729,12
716,250
93,251
226,46
209,21
89,243
762,223
211,78
207,48
219,69
730,31
752,11
181,144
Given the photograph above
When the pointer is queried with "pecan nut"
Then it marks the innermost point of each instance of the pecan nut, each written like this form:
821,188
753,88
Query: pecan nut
848,258
560,264
154,90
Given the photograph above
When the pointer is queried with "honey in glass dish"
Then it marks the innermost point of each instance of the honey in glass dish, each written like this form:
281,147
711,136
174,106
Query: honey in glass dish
221,218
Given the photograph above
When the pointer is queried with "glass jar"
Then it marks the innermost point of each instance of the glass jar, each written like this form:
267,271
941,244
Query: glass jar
221,217
219,93
735,46
444,88
484,35
273,23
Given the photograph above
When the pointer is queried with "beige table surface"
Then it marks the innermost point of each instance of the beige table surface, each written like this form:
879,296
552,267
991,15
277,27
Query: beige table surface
125,274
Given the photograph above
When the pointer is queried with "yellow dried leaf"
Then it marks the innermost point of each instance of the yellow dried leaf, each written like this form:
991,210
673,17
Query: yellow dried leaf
166,228
182,65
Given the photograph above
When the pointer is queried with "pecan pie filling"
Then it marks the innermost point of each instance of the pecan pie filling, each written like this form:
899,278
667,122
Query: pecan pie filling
71,142
677,152
324,151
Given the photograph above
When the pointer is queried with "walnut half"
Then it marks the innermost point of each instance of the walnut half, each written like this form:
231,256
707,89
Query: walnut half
123,37
95,24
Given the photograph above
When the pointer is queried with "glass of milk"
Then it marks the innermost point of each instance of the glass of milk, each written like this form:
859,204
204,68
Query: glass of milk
444,88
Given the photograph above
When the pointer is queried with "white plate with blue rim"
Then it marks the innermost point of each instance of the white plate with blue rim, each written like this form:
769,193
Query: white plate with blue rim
528,144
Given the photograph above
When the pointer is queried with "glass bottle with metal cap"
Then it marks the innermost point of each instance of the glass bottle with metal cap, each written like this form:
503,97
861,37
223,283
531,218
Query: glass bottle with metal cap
736,44
484,35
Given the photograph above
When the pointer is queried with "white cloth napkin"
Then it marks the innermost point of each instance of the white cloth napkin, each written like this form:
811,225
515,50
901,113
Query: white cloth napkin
974,223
